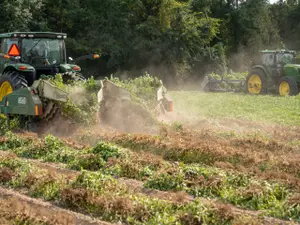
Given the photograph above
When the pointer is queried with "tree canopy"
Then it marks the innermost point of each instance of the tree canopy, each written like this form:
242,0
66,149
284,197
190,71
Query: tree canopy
173,39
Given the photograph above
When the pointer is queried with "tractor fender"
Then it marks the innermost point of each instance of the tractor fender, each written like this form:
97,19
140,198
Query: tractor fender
19,67
262,69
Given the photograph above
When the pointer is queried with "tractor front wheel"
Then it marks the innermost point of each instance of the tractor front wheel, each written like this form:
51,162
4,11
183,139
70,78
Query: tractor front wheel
11,81
288,86
256,82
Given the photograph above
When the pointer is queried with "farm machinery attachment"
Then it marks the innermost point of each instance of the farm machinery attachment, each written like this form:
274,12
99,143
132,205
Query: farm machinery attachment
211,84
29,101
119,110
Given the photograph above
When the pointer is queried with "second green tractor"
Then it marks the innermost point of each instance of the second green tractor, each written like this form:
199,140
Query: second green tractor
277,73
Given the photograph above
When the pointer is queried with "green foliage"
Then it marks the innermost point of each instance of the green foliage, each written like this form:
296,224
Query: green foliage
174,181
14,141
82,103
14,164
142,89
106,150
14,123
91,85
97,182
47,189
87,162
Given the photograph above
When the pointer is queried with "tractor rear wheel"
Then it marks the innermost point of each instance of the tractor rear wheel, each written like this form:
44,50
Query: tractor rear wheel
288,86
256,82
11,81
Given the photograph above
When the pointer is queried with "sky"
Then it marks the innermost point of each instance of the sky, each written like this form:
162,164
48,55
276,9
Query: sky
272,1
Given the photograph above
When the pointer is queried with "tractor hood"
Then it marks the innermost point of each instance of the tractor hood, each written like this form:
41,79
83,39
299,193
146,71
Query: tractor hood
293,66
292,70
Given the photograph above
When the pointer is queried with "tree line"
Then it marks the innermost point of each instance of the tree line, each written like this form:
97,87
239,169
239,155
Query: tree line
176,40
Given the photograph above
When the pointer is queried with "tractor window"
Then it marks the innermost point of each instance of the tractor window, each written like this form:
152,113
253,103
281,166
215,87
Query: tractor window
285,58
268,59
8,43
43,51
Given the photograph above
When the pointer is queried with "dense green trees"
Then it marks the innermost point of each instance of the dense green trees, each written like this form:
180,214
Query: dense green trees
175,39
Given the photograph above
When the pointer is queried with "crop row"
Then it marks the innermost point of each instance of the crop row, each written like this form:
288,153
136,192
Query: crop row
251,154
273,199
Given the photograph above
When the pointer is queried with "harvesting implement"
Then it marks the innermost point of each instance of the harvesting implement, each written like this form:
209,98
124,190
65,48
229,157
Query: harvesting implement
24,59
119,110
211,84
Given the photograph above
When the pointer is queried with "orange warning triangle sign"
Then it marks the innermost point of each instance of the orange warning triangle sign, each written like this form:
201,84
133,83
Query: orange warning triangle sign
14,51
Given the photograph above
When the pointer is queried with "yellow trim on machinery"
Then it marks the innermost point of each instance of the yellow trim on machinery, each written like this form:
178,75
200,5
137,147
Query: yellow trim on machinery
5,89
284,88
254,84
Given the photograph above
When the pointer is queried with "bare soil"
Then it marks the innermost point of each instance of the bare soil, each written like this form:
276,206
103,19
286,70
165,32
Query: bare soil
13,204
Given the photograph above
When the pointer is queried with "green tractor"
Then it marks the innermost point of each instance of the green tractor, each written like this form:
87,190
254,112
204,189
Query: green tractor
24,58
277,73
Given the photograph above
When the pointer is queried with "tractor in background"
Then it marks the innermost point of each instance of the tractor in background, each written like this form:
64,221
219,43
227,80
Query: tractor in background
277,73
25,57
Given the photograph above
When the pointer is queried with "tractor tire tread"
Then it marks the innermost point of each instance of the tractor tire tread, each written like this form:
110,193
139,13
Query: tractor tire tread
17,79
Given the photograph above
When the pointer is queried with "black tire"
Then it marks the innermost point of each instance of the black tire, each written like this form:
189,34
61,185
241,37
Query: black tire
16,79
263,78
293,86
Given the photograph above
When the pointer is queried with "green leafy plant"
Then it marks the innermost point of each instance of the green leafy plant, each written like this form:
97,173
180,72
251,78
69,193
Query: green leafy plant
142,89
106,150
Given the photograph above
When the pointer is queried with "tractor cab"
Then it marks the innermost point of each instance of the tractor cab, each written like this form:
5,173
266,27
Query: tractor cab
279,62
43,53
277,58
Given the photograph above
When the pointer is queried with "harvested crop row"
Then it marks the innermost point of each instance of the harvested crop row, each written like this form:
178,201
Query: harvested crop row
197,180
9,215
20,209
249,154
99,195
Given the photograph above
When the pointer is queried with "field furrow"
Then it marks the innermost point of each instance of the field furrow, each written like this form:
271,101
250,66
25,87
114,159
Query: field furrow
18,207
